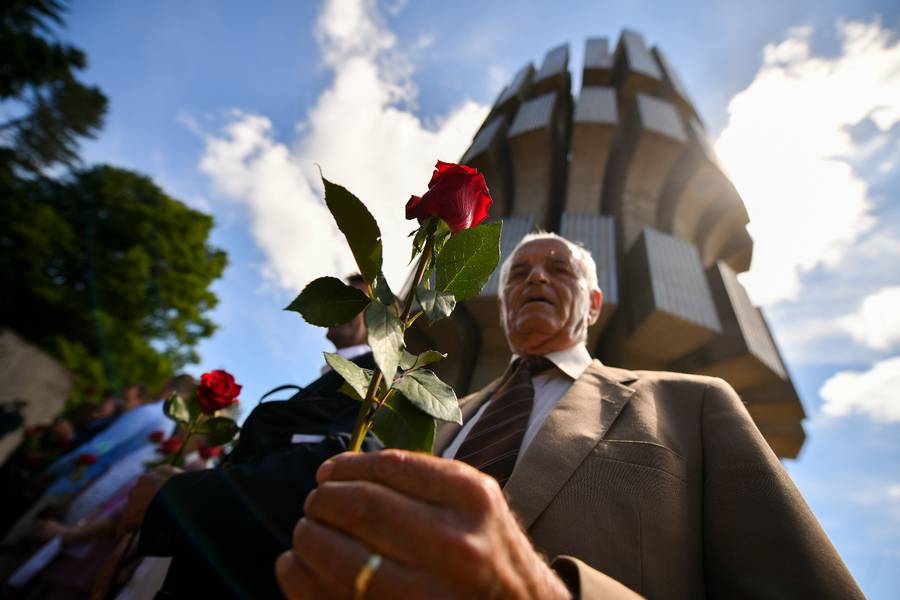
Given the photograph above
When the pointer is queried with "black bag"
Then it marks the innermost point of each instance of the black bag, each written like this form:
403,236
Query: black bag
312,413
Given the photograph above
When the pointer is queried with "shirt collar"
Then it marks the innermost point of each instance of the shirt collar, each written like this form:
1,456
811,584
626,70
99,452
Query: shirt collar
351,352
572,361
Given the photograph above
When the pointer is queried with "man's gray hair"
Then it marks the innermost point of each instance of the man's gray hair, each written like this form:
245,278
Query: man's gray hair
584,262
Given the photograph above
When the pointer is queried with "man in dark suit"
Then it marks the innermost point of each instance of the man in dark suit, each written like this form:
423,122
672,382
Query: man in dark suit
225,526
630,483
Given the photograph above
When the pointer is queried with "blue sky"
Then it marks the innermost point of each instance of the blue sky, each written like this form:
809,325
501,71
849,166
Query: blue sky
228,105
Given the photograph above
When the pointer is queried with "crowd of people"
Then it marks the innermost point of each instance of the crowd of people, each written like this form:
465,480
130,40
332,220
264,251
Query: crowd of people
66,487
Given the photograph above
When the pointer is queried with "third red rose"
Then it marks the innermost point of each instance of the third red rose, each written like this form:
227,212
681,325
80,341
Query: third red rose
86,459
456,193
171,445
217,390
207,452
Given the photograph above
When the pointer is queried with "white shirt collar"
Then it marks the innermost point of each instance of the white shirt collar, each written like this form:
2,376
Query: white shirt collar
351,352
572,361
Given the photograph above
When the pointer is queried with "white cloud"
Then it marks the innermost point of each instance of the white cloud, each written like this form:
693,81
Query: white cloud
362,131
893,492
815,331
872,393
787,145
877,322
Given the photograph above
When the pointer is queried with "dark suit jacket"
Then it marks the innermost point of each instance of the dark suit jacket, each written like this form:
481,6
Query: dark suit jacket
226,526
662,483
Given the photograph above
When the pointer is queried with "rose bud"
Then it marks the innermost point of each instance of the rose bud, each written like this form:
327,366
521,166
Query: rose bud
170,446
458,194
156,437
217,390
207,452
86,459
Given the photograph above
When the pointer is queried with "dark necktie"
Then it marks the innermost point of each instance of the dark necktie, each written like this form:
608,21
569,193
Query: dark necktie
494,441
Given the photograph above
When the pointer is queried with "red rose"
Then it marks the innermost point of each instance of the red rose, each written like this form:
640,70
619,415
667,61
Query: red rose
170,446
456,193
207,452
217,390
86,459
156,437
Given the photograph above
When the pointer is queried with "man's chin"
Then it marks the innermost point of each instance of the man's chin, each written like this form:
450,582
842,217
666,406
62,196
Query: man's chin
533,335
537,323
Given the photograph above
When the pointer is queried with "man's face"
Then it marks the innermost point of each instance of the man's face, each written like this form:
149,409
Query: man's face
546,300
105,409
132,397
351,333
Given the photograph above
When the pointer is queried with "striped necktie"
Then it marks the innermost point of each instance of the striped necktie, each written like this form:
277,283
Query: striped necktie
493,443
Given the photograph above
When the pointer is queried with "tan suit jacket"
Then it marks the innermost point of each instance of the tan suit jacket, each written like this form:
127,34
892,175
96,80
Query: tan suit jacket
662,482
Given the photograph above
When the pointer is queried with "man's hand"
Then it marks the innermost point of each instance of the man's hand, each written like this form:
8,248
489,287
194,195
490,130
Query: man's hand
443,528
141,496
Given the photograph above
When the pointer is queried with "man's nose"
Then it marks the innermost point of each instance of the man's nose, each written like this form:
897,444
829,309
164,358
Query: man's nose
538,274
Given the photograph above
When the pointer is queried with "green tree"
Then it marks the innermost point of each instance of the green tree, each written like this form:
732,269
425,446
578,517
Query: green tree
46,108
108,273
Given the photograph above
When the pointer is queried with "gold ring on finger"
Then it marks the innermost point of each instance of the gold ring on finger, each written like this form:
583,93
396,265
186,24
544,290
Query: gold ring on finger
364,577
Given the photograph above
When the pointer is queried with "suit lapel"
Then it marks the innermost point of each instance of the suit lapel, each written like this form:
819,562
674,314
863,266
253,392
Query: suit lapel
446,432
574,427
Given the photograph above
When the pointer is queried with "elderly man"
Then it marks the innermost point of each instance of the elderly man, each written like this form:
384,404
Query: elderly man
629,482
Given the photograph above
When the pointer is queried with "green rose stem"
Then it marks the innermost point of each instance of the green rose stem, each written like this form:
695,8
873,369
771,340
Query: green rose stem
366,413
191,428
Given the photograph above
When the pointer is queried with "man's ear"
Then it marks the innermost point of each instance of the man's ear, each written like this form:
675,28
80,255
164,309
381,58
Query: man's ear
596,306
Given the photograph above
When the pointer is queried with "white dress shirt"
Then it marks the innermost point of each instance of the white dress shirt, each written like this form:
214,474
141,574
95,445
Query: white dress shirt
549,387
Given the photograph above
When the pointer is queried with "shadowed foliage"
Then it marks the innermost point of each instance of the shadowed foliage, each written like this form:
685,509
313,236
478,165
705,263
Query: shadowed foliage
107,272
98,265
46,108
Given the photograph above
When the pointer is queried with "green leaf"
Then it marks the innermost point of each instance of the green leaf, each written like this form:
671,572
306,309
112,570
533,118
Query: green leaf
428,357
441,234
358,226
430,394
383,290
436,304
385,338
354,376
176,409
467,261
399,424
328,301
218,430
349,391
409,361
426,229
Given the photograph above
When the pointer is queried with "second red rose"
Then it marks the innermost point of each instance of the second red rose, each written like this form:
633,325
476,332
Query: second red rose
217,390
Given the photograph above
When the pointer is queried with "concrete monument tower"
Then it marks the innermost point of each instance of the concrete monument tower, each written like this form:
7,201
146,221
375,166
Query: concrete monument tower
626,169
